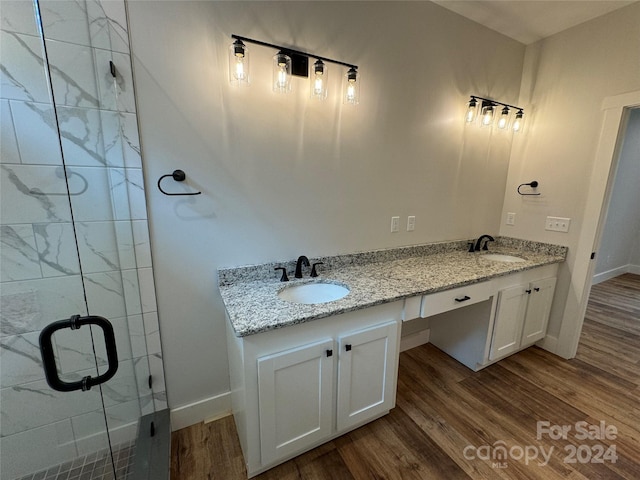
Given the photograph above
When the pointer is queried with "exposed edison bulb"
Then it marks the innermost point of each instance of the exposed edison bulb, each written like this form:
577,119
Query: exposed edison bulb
281,73
238,64
319,80
352,88
518,122
486,114
472,111
503,121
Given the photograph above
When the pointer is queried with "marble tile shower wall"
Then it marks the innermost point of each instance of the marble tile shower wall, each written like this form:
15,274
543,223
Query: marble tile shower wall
41,279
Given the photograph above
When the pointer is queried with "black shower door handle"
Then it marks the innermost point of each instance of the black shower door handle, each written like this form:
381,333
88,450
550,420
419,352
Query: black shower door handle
49,359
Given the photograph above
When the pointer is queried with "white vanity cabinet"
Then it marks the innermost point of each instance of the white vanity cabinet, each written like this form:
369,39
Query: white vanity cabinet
522,315
297,387
501,316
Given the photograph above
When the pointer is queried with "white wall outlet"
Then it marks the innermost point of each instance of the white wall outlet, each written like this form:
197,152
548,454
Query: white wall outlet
557,224
411,223
395,224
511,218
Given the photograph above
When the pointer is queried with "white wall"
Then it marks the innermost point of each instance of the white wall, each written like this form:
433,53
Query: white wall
622,229
565,80
282,175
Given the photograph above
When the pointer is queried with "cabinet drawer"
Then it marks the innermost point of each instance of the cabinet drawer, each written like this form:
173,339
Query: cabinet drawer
456,298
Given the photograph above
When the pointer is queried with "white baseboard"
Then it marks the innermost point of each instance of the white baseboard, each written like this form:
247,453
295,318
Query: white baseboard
414,340
614,272
205,410
635,269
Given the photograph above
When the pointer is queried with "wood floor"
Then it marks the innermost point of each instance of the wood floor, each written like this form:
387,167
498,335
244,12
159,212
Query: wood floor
450,421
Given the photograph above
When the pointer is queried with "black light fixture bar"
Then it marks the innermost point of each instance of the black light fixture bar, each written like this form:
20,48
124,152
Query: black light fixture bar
294,51
495,102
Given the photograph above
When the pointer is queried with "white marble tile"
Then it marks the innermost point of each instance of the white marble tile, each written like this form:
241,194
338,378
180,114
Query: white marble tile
73,74
81,349
45,406
157,371
65,20
127,193
33,194
121,140
22,76
8,142
108,25
132,291
123,387
29,305
141,242
97,246
147,290
53,443
18,253
57,249
152,332
18,16
115,93
125,244
20,359
105,294
93,201
128,186
36,133
146,404
82,136
137,337
91,424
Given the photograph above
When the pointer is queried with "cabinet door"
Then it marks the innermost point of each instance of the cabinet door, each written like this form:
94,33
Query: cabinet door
538,308
507,328
295,389
367,374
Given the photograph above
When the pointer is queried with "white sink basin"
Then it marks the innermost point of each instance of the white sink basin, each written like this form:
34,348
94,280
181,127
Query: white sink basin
310,293
499,257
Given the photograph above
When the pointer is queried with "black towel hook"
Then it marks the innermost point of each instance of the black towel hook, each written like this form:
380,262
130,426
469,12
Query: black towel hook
533,184
178,176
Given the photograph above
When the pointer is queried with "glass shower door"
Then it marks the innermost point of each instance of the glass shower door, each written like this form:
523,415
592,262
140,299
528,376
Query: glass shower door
73,227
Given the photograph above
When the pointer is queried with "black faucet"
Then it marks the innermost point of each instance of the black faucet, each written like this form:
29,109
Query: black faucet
482,237
302,260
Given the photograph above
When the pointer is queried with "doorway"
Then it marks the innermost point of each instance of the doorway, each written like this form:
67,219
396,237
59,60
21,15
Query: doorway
74,245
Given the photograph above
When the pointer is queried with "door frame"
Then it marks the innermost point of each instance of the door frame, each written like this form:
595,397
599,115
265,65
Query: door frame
615,110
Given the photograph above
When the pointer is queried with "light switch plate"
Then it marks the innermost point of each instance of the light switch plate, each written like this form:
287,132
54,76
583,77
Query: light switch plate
511,218
395,224
411,223
557,224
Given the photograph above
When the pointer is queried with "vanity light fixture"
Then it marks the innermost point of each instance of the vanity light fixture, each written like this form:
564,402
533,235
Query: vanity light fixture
238,64
319,80
487,114
288,62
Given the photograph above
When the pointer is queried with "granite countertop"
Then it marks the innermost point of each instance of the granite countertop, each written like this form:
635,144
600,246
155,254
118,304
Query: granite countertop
250,293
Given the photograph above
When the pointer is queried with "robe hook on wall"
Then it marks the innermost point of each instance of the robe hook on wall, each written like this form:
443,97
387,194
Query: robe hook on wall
533,184
178,176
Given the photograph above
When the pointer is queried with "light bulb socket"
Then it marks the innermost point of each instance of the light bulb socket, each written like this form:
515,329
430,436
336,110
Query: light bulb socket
281,58
505,110
352,75
318,67
473,102
238,48
519,114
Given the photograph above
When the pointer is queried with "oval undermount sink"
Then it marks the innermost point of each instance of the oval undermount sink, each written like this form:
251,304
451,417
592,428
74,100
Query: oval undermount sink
310,293
499,257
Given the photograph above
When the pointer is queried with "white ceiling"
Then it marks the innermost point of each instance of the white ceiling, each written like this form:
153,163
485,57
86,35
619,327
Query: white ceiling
528,21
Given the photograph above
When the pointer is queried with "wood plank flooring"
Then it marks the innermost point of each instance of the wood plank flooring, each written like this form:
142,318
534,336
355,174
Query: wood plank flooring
448,419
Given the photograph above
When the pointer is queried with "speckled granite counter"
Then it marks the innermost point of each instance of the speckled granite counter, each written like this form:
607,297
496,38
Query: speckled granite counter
250,293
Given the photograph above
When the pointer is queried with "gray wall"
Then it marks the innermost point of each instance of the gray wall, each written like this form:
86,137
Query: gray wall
283,175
